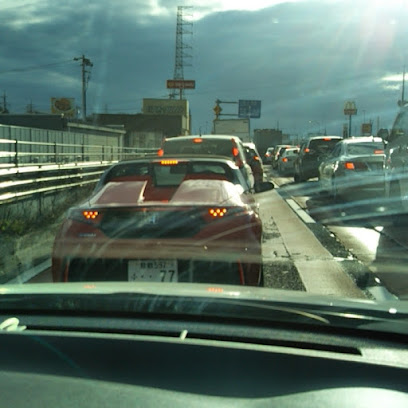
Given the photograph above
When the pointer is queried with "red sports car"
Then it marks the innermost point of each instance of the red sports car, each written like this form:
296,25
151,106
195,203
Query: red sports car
163,220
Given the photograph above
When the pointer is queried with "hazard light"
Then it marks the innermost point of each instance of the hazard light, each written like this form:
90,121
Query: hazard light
168,162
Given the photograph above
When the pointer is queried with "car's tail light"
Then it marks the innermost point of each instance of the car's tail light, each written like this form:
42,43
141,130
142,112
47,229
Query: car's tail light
326,139
256,158
235,151
217,212
379,151
284,159
90,214
306,150
87,216
355,166
267,154
160,152
197,140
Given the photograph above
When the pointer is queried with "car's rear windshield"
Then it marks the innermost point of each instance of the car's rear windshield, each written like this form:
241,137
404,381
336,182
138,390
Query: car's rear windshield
220,147
290,152
167,173
356,149
323,145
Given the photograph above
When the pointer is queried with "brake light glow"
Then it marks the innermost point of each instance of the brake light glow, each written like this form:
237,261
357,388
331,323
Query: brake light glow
379,151
235,151
326,139
168,162
349,166
256,158
306,150
90,215
197,140
215,290
160,152
217,212
284,159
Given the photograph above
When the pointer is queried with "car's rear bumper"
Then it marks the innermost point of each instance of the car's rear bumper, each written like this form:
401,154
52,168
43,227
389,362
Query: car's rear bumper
104,259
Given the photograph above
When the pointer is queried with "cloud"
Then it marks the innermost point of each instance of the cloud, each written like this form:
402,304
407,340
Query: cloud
302,59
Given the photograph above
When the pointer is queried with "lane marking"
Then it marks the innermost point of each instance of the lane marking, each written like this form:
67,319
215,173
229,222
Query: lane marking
30,273
304,216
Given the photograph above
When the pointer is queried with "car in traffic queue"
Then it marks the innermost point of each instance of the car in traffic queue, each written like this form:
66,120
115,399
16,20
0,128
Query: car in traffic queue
356,163
166,219
279,149
269,155
311,154
286,162
211,145
255,161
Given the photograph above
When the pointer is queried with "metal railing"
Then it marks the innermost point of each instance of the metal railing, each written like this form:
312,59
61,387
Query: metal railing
30,168
16,153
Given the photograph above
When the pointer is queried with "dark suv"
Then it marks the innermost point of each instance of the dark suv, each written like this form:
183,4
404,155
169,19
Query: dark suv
311,154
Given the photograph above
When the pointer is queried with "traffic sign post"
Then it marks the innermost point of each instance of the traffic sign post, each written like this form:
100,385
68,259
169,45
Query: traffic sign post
366,128
350,109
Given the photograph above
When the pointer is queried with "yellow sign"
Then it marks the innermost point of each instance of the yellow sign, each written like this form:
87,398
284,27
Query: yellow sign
217,109
65,106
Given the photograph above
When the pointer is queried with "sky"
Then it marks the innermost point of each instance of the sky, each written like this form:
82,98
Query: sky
302,59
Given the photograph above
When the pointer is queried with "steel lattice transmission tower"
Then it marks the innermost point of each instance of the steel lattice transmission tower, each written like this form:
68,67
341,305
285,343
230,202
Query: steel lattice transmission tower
184,48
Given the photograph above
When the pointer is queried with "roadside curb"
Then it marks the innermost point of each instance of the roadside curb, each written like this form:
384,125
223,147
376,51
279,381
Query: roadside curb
364,278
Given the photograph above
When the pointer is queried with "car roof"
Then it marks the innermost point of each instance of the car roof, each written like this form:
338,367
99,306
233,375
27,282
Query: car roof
211,137
363,139
325,137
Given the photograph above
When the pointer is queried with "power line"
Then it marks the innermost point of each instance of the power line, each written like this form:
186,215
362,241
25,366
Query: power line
32,68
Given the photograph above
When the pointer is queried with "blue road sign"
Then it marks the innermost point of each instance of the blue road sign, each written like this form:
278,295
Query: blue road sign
249,109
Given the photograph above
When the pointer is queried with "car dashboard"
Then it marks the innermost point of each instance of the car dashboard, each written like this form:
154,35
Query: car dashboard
69,360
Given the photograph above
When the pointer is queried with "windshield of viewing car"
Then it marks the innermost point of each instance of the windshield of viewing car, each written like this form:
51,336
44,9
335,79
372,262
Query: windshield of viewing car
124,127
361,149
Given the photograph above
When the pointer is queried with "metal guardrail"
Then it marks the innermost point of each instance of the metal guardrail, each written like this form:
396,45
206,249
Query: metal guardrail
32,168
16,153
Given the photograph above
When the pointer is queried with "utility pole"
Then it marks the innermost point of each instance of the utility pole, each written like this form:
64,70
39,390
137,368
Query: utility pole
5,110
183,48
85,62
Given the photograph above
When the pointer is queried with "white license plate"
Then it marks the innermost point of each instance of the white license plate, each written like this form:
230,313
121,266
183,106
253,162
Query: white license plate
153,270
